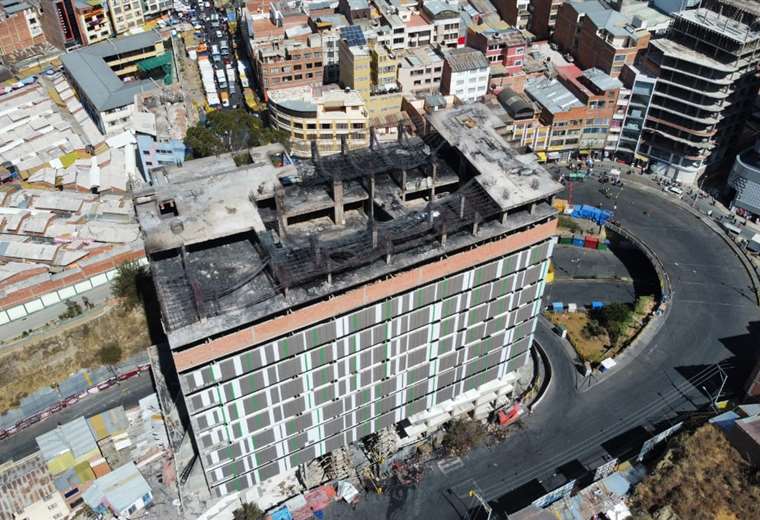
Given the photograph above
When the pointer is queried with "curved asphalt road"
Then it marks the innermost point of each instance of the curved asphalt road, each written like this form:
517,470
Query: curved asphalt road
714,319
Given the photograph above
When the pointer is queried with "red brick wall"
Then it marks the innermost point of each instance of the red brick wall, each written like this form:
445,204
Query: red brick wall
357,298
14,34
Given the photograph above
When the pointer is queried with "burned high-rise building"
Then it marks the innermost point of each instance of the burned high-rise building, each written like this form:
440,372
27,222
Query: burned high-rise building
309,305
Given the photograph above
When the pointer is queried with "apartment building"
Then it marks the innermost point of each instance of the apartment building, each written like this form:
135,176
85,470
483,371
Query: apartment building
599,37
503,46
354,10
153,8
327,116
393,27
93,20
445,19
20,26
330,56
106,78
126,15
522,127
543,17
516,13
302,343
288,63
420,70
59,23
641,87
371,70
707,83
419,32
578,106
465,74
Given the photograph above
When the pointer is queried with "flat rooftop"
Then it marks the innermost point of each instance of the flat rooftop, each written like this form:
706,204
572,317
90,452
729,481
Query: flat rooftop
722,25
235,246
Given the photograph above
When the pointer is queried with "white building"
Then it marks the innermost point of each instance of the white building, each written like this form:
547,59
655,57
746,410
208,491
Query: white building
126,15
152,8
465,74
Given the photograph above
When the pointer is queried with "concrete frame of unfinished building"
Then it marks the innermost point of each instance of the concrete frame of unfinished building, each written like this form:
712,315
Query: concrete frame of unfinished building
432,318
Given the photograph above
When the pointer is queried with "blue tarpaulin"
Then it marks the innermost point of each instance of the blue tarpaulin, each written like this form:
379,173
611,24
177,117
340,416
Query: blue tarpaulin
558,306
600,216
282,514
597,305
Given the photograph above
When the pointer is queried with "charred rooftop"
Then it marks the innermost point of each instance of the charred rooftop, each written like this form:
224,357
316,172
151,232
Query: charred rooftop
232,245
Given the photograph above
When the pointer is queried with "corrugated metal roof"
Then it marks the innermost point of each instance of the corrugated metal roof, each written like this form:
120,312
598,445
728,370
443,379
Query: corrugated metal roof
74,436
552,95
601,79
108,423
99,83
121,488
464,59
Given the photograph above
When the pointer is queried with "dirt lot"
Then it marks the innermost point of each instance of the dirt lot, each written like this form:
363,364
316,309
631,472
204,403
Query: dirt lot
596,348
47,361
592,349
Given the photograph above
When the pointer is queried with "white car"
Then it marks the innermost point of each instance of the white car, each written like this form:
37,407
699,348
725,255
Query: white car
674,189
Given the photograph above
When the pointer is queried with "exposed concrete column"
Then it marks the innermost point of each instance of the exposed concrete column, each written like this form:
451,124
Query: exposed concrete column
461,205
444,234
279,202
403,185
434,177
476,223
337,189
533,208
504,217
371,193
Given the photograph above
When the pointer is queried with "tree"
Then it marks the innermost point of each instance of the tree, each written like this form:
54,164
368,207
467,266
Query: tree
614,317
109,354
248,511
126,285
73,309
229,131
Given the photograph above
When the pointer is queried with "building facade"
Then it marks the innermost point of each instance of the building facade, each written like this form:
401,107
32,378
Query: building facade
278,385
516,13
599,37
744,180
707,82
543,17
371,70
20,26
94,23
445,19
126,15
59,23
153,8
323,115
465,74
106,79
503,46
286,64
578,107
420,71
640,87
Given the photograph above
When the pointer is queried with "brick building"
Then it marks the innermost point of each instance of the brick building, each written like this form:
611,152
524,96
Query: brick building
503,46
516,13
597,36
283,64
543,17
301,343
20,26
578,106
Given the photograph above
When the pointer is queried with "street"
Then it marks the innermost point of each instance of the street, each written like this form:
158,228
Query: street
126,393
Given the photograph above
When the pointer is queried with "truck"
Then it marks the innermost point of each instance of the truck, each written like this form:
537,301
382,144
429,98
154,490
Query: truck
221,79
225,97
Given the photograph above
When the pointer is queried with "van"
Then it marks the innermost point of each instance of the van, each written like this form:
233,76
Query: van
730,228
674,189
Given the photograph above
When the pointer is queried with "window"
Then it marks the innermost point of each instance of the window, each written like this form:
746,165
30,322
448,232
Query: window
619,57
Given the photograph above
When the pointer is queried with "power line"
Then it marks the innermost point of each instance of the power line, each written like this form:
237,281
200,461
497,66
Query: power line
667,399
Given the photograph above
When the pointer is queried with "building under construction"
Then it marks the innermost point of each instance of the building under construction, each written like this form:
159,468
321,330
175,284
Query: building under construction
310,305
707,84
